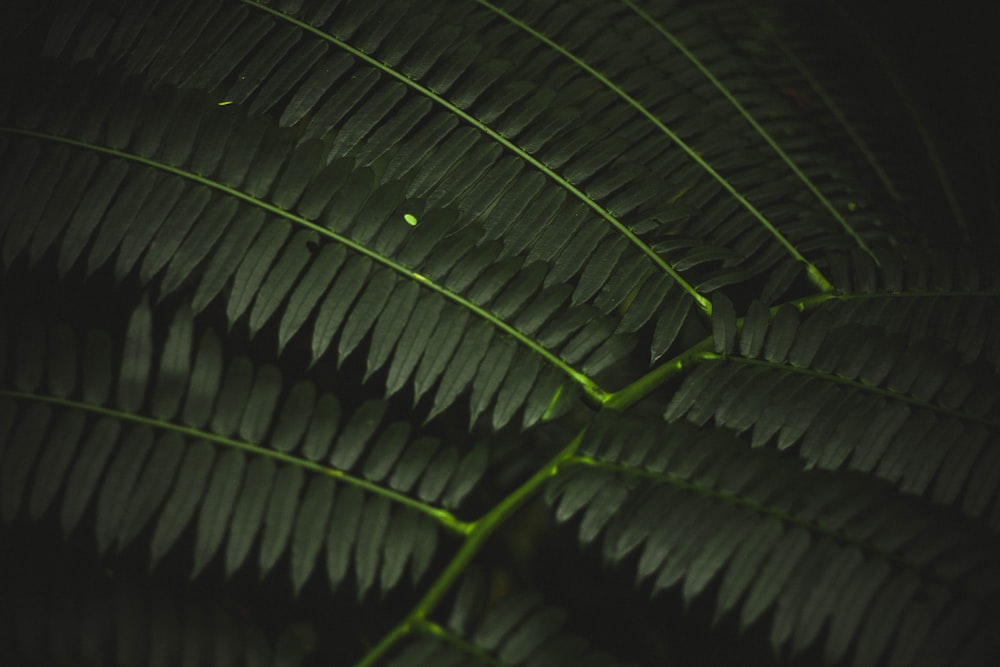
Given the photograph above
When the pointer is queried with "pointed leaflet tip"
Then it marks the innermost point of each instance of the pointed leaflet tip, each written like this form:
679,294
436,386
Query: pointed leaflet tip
724,326
137,358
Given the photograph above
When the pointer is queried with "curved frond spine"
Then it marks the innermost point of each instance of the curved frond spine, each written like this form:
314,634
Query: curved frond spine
586,383
225,491
854,384
815,275
660,491
476,537
700,299
444,517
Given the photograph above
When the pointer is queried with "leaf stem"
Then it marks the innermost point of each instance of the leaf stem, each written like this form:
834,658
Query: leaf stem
443,517
704,351
481,530
783,515
855,384
633,393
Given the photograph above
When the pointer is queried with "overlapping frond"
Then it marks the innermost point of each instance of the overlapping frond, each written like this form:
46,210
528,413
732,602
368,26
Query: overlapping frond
382,95
847,393
324,243
891,580
928,298
175,435
588,33
409,61
416,89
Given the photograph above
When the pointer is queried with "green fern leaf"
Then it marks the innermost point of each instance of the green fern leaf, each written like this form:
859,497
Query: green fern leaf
338,292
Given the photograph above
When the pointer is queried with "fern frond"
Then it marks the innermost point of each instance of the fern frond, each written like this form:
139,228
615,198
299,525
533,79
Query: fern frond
803,383
391,82
329,103
818,550
225,435
252,245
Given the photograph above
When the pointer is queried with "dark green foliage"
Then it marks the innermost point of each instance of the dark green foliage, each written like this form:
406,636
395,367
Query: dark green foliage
320,317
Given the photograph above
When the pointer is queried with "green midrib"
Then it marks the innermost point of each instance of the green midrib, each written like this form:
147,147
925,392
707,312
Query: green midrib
815,275
702,301
854,384
810,525
476,537
703,351
443,517
589,386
